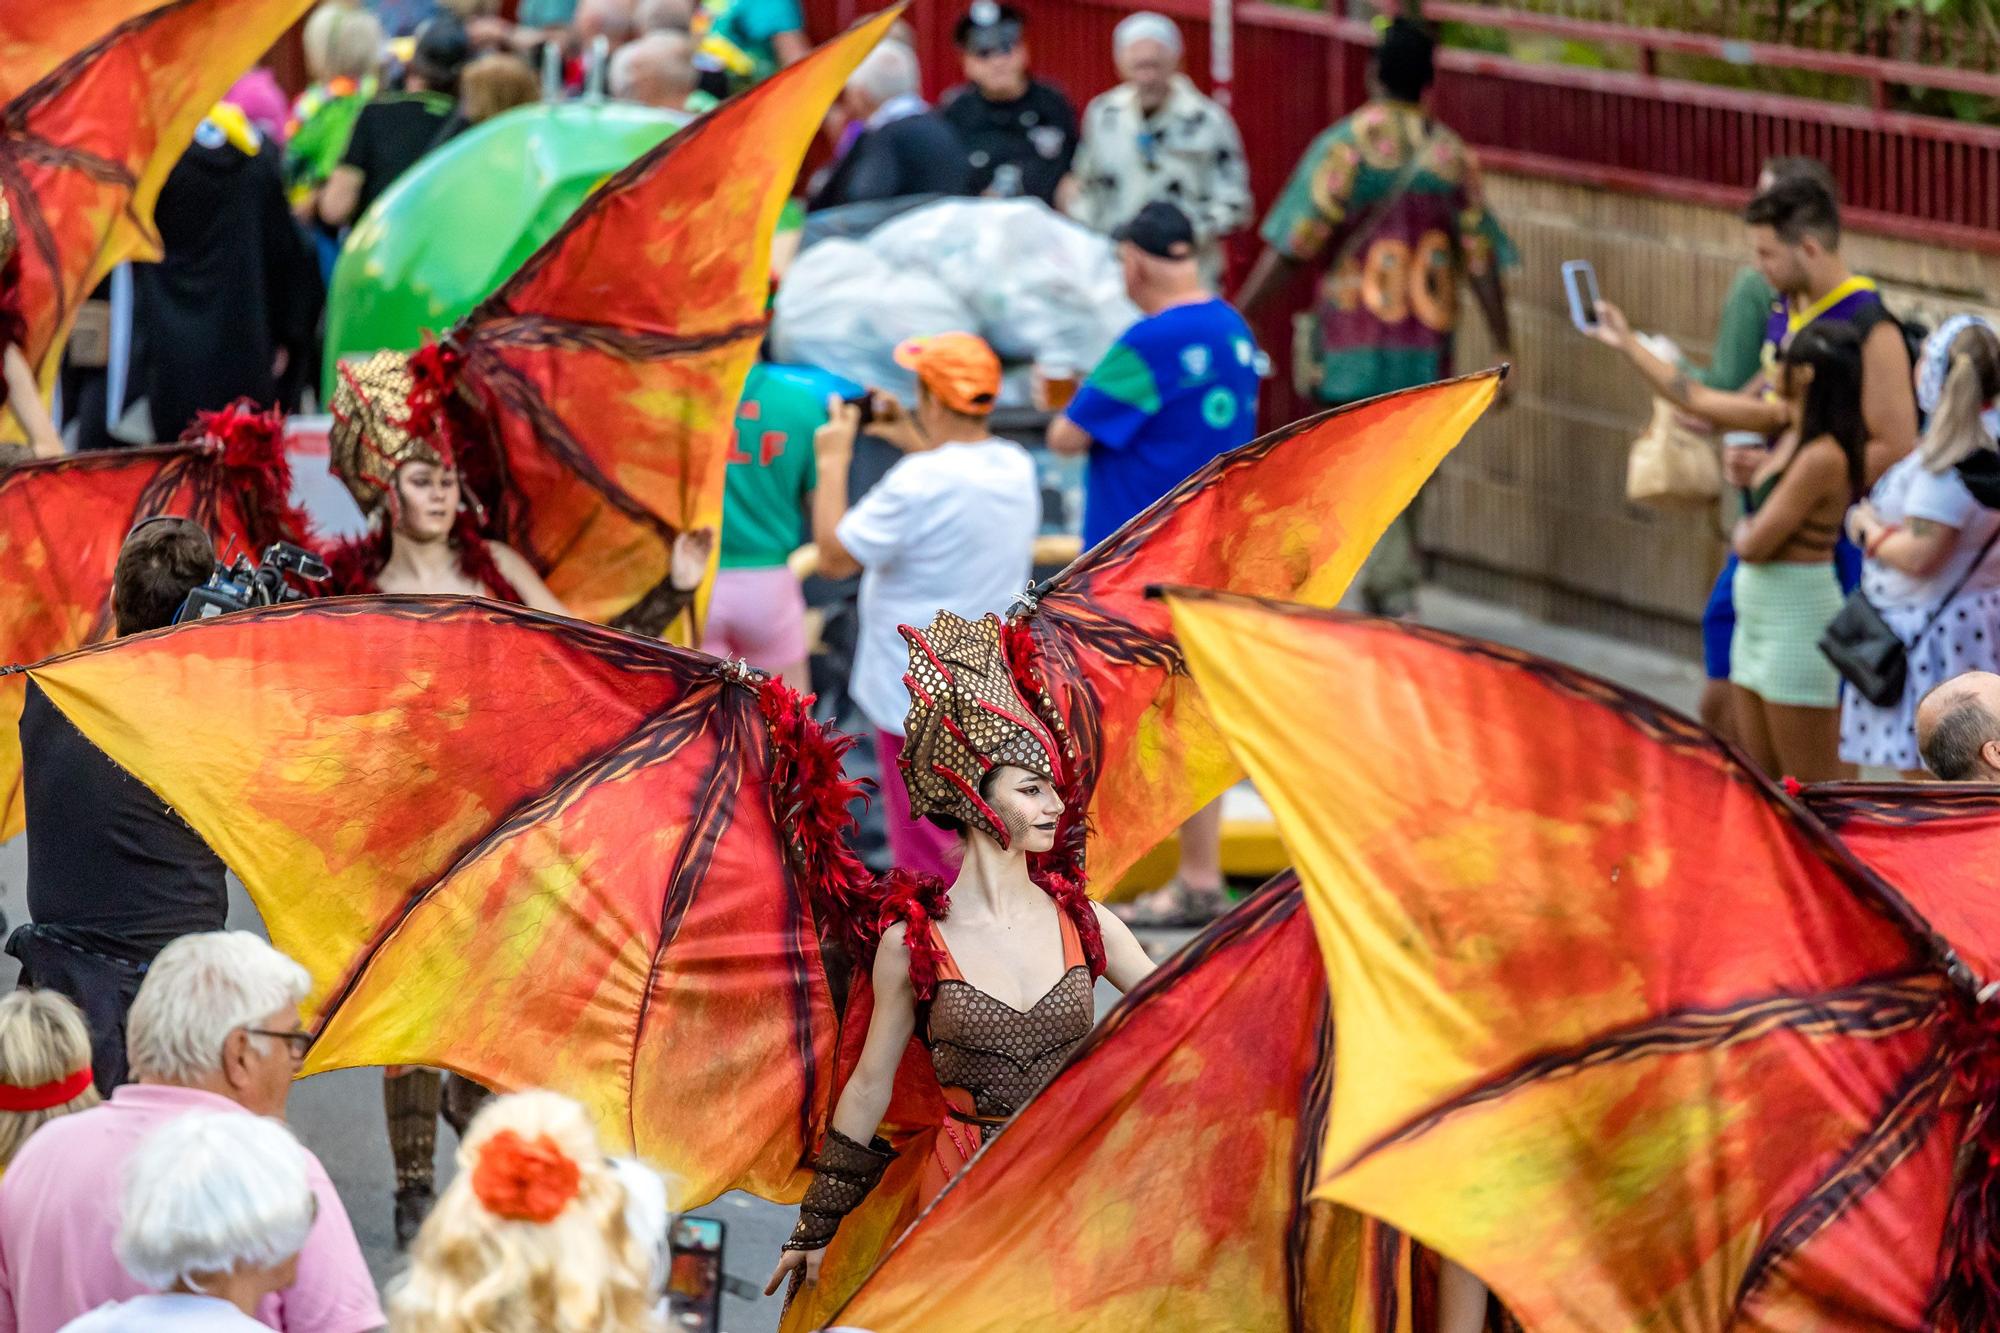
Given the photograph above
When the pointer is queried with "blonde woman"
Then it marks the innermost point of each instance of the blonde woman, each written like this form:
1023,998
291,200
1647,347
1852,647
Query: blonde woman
531,1235
44,1065
344,47
1933,561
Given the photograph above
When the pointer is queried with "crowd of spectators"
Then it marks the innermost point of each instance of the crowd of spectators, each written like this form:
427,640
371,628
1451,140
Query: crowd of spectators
152,1048
184,1203
1864,480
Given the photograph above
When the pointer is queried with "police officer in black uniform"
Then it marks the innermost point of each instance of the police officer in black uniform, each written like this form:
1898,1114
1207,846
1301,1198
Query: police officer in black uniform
1019,134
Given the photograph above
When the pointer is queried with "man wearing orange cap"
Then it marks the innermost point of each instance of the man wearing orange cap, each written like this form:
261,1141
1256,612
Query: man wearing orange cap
950,527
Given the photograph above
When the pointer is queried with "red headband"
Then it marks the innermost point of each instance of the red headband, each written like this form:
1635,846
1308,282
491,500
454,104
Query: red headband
43,1096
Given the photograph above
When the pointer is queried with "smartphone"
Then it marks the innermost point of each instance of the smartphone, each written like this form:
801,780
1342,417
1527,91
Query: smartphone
694,1276
866,402
1580,280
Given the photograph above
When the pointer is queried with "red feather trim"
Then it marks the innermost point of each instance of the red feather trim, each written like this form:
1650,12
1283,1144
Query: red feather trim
445,397
1017,643
1066,860
1968,1297
249,444
914,901
812,801
434,370
918,900
355,565
475,560
1069,896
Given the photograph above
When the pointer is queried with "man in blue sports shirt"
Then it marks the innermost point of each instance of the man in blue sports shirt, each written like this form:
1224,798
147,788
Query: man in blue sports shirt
1178,388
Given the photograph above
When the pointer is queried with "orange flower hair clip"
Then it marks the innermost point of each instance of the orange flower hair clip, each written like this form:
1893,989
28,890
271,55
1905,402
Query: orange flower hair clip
524,1181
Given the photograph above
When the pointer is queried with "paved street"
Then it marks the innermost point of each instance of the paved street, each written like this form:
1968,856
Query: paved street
339,1115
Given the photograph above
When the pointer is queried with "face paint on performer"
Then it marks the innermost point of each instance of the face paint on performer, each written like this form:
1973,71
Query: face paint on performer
427,500
1027,804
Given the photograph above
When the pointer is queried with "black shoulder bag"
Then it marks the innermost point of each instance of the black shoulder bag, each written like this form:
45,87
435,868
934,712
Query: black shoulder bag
1868,654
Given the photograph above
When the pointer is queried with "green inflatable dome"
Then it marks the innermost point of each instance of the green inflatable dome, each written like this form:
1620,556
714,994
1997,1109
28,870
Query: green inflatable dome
459,222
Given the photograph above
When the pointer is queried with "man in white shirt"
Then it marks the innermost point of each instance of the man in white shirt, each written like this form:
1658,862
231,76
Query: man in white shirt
950,527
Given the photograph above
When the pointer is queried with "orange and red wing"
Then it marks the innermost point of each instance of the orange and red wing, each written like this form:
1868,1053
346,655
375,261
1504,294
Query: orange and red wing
533,851
34,39
85,148
61,524
1619,1027
1290,515
611,363
1934,841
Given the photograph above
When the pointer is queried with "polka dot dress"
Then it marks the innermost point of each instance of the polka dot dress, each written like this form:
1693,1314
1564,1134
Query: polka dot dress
1965,638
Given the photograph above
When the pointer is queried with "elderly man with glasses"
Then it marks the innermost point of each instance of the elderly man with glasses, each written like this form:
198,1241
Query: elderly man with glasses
1155,138
215,1028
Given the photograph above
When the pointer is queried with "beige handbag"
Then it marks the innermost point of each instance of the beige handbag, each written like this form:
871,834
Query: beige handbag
1670,466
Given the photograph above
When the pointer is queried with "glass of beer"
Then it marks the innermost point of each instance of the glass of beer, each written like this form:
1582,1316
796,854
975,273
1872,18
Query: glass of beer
1058,379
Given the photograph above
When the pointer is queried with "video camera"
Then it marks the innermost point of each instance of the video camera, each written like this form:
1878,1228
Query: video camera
240,586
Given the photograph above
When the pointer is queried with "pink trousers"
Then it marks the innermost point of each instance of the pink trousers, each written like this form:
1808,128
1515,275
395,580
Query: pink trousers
918,846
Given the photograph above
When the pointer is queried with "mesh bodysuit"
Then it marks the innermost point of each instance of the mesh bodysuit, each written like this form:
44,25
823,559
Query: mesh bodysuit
990,1056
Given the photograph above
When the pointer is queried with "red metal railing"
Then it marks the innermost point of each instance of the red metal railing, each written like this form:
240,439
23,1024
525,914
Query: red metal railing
1924,40
1877,71
1912,176
1296,71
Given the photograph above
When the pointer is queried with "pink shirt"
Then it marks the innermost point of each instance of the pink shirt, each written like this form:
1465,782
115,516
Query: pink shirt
59,1217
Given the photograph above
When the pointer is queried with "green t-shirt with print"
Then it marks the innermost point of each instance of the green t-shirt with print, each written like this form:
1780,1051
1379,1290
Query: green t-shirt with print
771,469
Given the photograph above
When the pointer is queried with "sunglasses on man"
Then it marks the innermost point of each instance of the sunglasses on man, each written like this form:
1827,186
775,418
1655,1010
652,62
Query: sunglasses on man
999,40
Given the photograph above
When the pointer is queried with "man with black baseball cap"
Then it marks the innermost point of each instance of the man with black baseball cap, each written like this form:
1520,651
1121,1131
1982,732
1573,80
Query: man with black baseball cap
1161,230
1020,134
1175,390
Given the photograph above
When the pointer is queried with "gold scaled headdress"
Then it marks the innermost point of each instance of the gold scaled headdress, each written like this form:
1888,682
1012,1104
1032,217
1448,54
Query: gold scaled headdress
966,719
374,410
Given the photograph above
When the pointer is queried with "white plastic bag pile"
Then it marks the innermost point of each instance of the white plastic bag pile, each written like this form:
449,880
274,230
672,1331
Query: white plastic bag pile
1031,282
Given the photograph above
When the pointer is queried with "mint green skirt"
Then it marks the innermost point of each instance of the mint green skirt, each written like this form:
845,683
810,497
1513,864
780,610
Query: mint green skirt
1781,610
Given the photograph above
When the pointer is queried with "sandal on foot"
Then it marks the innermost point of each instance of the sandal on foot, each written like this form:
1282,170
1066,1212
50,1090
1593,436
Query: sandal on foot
1174,907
